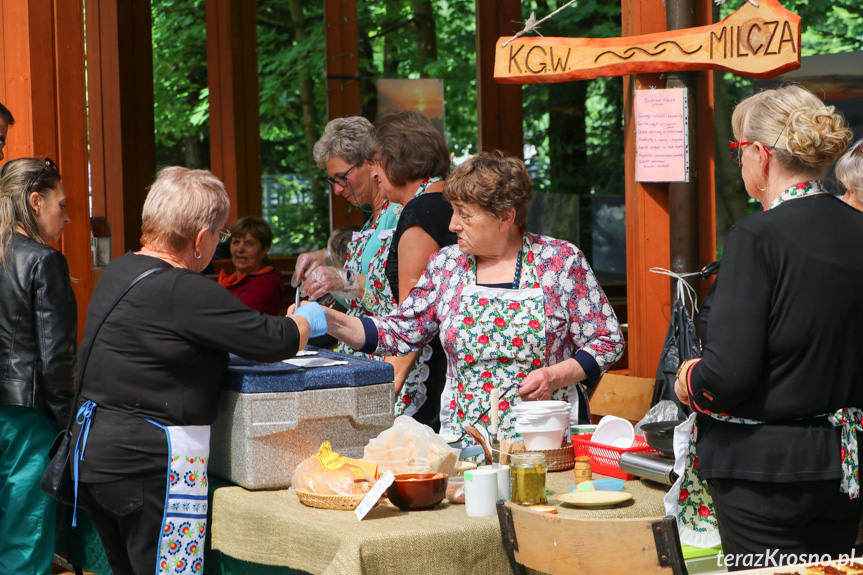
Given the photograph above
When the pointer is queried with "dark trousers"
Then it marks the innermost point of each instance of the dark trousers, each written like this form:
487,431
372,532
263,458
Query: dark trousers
128,516
802,518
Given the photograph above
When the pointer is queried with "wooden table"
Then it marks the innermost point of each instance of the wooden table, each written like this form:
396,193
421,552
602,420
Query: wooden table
274,528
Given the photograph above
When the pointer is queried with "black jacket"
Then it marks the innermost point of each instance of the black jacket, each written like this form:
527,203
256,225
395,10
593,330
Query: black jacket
38,329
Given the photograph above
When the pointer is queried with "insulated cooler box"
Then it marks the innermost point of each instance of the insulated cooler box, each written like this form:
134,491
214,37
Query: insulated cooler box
272,416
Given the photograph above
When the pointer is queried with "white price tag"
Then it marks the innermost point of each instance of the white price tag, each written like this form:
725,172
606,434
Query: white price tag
374,494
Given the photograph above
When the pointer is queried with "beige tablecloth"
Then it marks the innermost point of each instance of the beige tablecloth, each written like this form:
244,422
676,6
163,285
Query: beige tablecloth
274,528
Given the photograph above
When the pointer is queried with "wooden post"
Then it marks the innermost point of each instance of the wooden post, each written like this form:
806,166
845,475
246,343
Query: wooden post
122,128
341,35
647,205
235,125
647,238
499,107
42,83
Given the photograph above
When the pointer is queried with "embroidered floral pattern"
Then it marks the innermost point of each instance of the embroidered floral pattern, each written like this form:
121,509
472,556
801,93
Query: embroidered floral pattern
185,524
798,191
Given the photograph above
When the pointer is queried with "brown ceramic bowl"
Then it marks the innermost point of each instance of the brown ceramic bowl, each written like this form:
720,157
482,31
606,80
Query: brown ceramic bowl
417,491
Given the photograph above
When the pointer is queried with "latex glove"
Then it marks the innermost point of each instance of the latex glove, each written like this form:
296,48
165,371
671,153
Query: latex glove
326,279
306,263
315,315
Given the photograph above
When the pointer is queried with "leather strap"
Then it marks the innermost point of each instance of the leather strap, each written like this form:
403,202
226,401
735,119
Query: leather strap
82,363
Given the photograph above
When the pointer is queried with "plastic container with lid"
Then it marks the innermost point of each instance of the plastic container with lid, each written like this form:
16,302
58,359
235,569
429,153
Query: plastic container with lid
527,478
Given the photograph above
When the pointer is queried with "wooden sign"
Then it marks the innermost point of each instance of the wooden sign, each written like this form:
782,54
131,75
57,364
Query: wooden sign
759,42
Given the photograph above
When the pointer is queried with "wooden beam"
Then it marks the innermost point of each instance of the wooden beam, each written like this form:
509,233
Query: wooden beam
122,127
499,107
341,37
235,125
42,83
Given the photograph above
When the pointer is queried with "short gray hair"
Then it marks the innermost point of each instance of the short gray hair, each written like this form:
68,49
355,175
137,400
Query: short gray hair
343,138
181,202
849,169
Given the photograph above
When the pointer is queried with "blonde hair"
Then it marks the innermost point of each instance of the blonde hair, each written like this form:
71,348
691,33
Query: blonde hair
803,133
494,182
18,179
343,138
181,202
849,169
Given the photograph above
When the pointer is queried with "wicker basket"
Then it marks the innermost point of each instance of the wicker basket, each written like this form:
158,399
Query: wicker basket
342,502
562,458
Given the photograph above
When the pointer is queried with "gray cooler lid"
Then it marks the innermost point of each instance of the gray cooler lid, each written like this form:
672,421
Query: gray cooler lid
246,376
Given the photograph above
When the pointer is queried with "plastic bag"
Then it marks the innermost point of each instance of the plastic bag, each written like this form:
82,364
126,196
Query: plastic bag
410,447
328,473
665,410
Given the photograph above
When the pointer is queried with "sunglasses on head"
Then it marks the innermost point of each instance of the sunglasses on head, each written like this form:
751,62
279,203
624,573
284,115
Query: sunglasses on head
47,165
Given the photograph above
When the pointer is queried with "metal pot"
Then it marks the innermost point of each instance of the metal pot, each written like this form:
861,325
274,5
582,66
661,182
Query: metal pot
660,435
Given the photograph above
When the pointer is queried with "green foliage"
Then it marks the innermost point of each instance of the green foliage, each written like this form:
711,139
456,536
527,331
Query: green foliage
180,81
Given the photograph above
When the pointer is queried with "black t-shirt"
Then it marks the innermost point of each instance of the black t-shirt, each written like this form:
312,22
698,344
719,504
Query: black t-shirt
161,354
783,343
429,211
433,214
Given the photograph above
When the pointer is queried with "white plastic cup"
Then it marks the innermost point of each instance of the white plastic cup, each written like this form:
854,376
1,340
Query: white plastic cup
480,492
614,431
503,482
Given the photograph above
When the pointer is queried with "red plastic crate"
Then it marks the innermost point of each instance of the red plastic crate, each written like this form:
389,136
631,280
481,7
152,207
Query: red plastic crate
605,459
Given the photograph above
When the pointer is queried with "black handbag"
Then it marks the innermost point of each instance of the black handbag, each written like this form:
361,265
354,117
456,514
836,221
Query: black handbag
57,481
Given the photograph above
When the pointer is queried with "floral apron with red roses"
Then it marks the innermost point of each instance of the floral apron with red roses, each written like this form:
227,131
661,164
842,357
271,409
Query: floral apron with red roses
501,338
184,523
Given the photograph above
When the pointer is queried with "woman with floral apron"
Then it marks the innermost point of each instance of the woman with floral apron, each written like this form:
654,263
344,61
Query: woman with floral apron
517,311
777,393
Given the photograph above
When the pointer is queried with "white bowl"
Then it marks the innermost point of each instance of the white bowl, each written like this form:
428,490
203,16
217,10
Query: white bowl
614,431
542,440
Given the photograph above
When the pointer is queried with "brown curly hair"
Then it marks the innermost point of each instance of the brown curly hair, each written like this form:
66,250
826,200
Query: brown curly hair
494,182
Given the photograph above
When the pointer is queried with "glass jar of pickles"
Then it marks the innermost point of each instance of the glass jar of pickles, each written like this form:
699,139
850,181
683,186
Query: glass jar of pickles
527,478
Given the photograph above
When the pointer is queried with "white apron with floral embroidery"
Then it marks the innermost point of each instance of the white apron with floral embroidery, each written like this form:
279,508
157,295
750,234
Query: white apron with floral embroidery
501,338
184,524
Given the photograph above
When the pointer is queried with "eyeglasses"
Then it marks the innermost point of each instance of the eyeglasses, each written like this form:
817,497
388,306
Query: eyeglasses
224,235
48,164
343,179
736,149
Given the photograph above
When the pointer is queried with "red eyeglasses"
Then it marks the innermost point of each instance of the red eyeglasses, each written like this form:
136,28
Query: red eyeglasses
736,149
